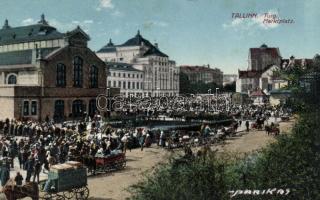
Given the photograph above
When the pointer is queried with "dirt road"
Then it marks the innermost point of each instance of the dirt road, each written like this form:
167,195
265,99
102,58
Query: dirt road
113,186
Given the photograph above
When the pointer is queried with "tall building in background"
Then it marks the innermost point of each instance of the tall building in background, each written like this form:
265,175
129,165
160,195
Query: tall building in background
262,57
160,74
203,74
46,73
126,78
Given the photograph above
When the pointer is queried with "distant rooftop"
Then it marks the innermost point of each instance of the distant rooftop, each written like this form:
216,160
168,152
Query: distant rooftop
121,66
36,32
137,40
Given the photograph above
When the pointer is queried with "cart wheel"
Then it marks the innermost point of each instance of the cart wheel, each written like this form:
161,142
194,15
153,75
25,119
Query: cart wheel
68,194
82,193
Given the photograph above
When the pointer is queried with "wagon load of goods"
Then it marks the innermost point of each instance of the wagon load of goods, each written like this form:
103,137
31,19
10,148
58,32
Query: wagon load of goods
68,176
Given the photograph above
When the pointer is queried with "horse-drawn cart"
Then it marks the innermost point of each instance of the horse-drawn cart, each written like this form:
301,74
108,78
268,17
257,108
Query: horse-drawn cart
66,181
111,162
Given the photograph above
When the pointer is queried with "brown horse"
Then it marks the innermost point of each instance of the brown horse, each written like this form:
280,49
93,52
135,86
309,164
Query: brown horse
14,192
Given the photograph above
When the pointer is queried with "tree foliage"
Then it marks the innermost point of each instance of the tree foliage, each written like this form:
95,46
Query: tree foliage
292,162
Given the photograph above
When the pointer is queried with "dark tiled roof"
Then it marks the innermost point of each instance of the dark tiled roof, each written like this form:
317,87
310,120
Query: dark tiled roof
121,66
110,47
21,57
28,33
138,40
153,51
76,31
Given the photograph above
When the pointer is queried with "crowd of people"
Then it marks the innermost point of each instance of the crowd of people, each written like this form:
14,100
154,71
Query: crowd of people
39,145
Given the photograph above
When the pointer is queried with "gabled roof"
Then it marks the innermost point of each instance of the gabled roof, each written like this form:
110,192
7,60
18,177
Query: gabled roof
121,66
78,30
36,32
138,40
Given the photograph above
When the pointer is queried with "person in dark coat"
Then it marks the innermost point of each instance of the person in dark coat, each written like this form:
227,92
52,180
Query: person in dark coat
247,126
37,170
18,179
29,168
5,175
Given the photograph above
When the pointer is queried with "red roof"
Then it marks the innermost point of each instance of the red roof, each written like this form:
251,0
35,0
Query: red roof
250,74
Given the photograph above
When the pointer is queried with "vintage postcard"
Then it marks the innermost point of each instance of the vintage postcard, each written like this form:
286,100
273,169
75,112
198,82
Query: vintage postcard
159,99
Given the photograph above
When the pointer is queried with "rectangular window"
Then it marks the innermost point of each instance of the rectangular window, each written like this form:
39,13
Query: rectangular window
109,83
114,84
119,84
124,74
34,108
26,108
133,85
124,85
129,75
129,85
138,86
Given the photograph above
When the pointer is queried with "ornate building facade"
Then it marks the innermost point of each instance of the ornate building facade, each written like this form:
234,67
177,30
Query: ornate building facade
46,73
160,74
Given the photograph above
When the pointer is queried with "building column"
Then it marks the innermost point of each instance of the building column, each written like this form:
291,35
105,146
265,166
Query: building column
2,78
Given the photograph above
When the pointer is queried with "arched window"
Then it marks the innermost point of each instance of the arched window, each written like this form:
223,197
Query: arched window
77,71
12,79
78,108
61,75
59,110
94,76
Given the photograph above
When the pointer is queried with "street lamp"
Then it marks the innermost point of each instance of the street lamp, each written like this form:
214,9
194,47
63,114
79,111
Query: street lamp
217,99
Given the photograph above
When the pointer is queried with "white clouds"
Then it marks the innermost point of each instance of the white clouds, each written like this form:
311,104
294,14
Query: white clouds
255,22
88,21
62,26
151,24
28,21
105,4
117,13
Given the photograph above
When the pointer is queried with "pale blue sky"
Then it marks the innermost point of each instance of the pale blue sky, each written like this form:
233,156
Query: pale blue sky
190,31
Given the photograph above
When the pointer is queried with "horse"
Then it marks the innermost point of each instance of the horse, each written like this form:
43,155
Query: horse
13,192
273,130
